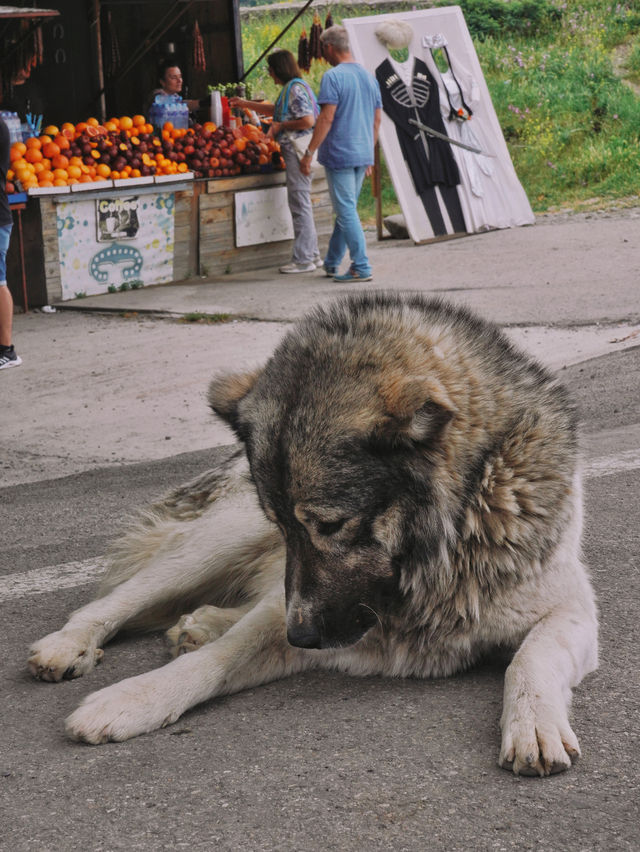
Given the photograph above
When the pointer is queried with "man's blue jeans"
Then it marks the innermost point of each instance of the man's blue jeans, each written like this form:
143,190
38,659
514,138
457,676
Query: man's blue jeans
344,189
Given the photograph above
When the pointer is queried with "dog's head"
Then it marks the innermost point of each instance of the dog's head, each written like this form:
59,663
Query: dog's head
335,427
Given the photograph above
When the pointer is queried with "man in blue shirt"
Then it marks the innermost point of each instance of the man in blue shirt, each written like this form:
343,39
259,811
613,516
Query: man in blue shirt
345,134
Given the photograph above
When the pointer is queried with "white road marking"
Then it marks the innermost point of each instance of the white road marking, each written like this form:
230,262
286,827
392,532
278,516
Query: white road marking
68,575
41,581
609,465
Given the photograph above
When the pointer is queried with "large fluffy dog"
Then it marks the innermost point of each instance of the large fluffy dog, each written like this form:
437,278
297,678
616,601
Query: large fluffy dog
412,500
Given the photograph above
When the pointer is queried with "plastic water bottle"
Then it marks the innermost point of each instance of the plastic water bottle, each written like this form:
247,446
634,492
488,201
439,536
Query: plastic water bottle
14,125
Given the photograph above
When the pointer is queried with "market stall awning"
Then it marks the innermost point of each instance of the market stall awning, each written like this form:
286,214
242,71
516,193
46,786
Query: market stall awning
21,12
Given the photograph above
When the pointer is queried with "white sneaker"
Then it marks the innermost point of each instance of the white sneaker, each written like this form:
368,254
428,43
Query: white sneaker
319,262
298,267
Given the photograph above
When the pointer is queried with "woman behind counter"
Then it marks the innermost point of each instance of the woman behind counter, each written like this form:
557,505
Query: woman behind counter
295,112
170,80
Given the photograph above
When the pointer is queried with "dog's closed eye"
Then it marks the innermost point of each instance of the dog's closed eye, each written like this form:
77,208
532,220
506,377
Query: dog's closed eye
328,528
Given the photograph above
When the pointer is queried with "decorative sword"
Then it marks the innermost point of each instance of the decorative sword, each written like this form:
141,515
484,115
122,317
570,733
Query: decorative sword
446,138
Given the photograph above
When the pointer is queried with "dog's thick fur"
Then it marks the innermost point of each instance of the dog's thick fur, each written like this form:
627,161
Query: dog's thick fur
409,499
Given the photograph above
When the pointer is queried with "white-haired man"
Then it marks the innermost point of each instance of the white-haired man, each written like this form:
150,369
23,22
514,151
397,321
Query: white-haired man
345,135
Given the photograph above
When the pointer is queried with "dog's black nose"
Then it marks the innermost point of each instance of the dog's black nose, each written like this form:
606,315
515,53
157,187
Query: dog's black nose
304,636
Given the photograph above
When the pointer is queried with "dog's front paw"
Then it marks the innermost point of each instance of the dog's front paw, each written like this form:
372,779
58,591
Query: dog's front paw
204,625
64,654
537,739
126,709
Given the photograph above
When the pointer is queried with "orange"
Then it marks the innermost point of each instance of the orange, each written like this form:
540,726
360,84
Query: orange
50,149
210,126
126,122
45,183
148,128
74,171
60,182
103,170
71,181
33,155
39,167
111,126
167,126
51,130
18,150
44,139
60,174
138,120
114,175
45,175
33,142
136,173
75,161
81,126
93,122
61,141
60,162
86,179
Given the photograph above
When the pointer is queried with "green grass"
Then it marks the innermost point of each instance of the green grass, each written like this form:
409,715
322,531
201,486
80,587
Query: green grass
572,125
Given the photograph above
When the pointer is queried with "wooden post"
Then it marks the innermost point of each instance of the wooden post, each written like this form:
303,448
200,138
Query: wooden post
377,194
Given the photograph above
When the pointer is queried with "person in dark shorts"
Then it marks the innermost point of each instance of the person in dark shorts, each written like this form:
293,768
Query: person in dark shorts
8,355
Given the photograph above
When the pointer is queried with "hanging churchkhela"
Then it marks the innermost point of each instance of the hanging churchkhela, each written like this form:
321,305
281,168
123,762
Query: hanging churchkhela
315,49
199,59
304,53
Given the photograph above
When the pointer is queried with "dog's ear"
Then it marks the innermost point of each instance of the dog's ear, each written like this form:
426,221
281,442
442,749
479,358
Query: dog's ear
417,410
227,391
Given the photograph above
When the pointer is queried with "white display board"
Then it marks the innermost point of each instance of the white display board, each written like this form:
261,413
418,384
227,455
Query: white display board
489,192
262,216
113,241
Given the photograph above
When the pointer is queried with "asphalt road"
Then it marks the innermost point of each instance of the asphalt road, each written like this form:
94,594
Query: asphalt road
320,761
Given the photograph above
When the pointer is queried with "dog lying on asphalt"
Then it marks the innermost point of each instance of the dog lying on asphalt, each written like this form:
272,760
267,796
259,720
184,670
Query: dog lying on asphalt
408,499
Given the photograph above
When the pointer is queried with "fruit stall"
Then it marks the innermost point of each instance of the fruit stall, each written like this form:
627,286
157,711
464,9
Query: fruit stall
114,203
122,204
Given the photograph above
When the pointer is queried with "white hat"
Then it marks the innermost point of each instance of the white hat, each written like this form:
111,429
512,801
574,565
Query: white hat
394,34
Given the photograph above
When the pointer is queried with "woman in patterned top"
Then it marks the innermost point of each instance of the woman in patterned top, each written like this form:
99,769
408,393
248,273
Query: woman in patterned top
294,114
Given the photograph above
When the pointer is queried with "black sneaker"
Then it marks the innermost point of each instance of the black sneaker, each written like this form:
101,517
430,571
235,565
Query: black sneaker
9,358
